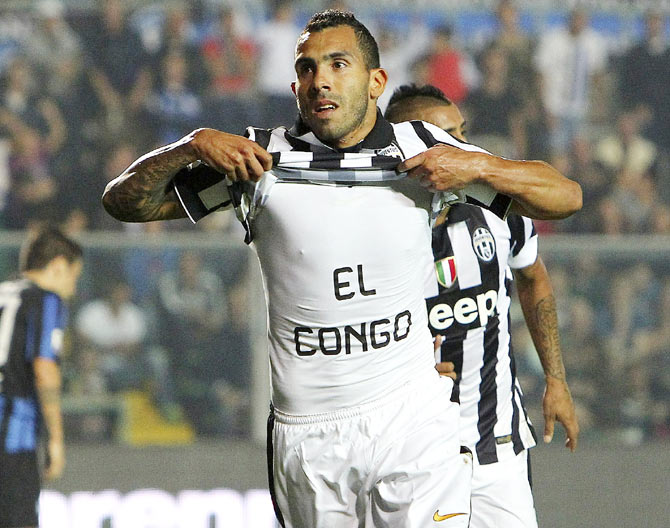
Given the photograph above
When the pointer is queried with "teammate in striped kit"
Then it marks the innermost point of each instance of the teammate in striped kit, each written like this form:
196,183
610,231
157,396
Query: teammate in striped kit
477,254
364,433
32,321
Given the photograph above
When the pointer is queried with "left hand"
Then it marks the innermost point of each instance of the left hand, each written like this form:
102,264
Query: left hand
55,459
557,404
443,168
444,368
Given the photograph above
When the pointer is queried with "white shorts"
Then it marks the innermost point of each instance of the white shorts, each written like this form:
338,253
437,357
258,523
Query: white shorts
395,462
501,494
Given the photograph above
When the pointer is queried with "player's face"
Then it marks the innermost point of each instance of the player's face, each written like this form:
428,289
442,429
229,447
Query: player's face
336,93
69,276
448,118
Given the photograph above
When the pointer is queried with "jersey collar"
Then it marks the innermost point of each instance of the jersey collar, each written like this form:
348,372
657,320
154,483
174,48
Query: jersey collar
380,136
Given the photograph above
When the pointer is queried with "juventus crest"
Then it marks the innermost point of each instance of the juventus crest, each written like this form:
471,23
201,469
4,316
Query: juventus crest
484,244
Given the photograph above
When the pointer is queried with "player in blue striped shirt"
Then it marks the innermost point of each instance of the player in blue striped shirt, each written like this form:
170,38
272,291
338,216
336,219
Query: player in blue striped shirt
32,321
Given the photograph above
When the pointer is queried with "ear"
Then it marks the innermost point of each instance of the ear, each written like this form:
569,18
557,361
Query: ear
59,265
293,88
378,78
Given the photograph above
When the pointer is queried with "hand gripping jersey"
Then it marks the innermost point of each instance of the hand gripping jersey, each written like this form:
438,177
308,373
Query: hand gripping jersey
474,253
344,264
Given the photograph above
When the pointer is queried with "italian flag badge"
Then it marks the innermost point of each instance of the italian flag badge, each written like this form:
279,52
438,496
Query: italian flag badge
446,271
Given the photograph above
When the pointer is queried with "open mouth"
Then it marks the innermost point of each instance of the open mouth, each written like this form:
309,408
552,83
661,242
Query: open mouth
324,108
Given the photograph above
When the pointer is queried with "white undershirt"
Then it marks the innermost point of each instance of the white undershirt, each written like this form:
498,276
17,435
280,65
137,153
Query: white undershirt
303,234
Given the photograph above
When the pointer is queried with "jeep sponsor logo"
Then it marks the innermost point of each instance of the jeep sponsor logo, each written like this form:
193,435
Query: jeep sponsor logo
465,311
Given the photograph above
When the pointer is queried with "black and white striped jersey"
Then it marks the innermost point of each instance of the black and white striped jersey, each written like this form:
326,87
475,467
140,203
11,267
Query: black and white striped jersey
474,253
298,155
345,255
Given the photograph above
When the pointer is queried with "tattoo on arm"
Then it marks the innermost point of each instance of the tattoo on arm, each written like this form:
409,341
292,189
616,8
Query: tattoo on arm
142,193
544,329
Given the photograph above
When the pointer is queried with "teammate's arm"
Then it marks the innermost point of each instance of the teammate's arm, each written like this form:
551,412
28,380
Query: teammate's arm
48,385
142,193
538,189
537,300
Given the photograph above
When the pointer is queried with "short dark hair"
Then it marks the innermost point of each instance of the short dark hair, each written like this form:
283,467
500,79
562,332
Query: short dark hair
334,18
408,94
44,245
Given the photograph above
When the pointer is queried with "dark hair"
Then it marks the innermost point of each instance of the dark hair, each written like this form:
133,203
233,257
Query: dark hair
408,94
334,18
44,245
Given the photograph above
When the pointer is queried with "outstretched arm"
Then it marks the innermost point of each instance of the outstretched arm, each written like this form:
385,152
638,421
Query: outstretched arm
536,296
142,192
539,191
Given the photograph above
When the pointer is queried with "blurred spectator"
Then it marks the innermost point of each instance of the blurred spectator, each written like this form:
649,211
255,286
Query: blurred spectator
595,181
571,61
634,293
493,111
651,383
179,35
115,331
518,49
75,164
118,66
398,52
193,310
634,195
144,265
610,219
585,362
51,40
173,108
230,59
644,77
625,149
33,190
448,67
277,38
25,105
661,219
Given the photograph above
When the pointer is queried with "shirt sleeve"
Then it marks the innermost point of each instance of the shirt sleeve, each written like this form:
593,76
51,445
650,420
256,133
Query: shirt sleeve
201,190
52,328
476,193
523,242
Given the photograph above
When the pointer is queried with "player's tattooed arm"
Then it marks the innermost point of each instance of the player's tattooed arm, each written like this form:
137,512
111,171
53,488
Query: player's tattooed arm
539,308
142,193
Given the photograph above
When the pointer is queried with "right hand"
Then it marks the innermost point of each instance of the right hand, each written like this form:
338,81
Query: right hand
235,156
55,459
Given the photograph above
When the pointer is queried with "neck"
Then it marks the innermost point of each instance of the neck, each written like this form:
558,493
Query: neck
359,133
42,279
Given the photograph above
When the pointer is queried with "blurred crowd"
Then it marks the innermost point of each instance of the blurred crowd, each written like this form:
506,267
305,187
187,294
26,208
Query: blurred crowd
84,91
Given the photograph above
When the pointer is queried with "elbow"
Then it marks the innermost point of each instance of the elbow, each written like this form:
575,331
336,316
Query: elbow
109,202
573,200
568,200
113,202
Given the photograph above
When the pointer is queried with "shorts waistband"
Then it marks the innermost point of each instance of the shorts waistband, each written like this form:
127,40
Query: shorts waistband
432,382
